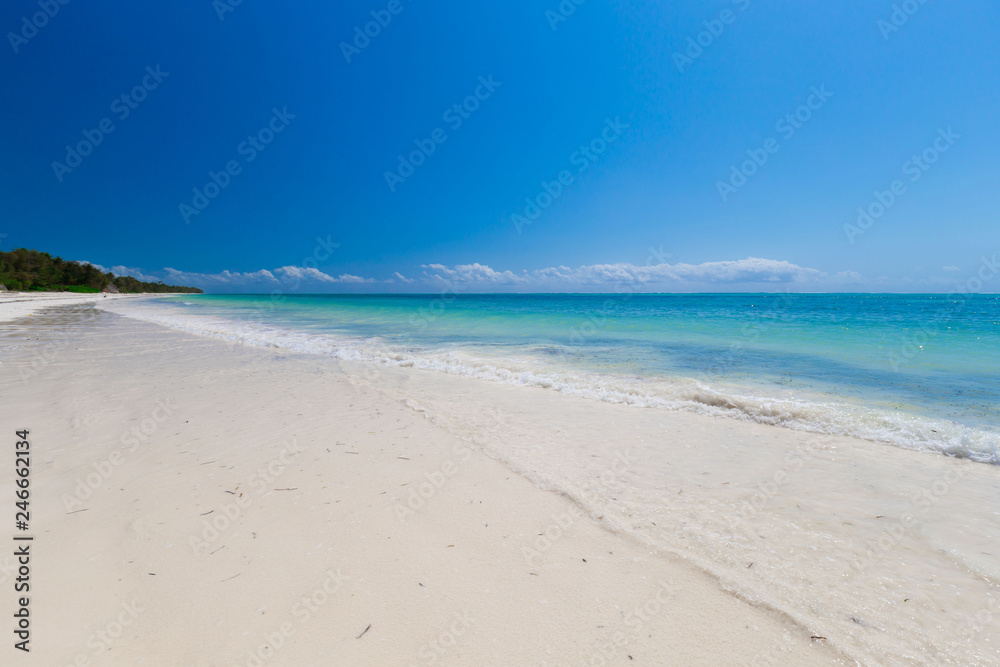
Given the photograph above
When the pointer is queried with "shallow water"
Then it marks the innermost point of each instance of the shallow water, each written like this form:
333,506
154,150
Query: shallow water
916,371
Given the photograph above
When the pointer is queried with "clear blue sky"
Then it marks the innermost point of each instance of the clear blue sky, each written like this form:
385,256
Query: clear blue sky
655,185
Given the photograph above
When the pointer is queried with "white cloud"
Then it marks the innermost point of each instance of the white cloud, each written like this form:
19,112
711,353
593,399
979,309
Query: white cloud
224,278
950,268
102,269
848,277
120,270
291,277
752,271
471,273
348,278
299,273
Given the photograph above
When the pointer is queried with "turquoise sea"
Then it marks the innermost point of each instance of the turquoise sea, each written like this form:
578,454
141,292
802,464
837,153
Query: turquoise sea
916,371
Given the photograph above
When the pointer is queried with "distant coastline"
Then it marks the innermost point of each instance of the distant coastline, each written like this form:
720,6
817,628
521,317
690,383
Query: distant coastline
24,270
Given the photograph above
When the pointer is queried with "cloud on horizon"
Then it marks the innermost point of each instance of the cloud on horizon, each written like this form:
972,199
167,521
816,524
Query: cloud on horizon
292,277
736,275
120,270
752,272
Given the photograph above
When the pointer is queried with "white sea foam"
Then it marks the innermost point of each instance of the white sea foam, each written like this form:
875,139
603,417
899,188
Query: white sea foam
817,415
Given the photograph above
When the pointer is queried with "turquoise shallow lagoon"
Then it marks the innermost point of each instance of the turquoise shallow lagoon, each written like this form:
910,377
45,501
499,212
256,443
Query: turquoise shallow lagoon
918,371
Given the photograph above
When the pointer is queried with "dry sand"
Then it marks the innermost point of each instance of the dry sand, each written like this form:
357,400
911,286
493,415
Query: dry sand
14,305
196,503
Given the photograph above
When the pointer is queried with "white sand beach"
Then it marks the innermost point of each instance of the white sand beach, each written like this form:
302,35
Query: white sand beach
202,503
14,305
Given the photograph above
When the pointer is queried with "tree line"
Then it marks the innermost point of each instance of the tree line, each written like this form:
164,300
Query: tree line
34,271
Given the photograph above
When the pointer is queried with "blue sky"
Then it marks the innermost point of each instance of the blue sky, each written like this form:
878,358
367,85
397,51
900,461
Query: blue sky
644,124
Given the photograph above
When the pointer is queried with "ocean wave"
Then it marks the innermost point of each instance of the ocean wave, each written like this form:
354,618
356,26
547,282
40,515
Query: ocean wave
743,403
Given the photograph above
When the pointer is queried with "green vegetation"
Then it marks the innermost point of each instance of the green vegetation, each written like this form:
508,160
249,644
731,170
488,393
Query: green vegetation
30,270
82,289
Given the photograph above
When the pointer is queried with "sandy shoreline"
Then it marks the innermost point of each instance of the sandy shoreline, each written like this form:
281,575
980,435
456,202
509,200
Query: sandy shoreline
14,305
211,504
127,516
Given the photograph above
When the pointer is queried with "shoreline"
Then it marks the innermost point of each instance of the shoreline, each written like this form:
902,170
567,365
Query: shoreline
15,305
315,550
755,525
857,404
